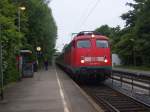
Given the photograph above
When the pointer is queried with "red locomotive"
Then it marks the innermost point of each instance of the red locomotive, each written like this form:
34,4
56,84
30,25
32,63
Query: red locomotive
87,55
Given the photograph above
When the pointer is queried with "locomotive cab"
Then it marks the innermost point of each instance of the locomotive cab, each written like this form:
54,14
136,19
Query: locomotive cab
87,55
92,55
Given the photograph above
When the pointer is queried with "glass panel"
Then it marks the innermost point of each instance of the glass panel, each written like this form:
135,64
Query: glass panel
83,44
102,43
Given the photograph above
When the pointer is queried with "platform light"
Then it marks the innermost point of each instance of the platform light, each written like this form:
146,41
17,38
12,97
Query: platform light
22,8
38,48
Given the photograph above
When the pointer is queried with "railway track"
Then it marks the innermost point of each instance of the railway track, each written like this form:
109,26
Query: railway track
112,101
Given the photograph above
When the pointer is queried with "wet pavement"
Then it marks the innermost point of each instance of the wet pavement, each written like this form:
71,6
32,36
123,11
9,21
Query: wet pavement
54,91
47,91
38,94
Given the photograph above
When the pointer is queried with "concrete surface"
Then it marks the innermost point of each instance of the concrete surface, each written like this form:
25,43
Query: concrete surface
77,101
38,94
47,91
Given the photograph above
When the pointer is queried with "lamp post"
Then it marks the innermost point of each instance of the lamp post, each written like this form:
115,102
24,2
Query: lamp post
21,8
38,49
133,51
1,67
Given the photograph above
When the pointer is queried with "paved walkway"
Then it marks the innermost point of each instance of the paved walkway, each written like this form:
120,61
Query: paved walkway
38,94
47,91
145,73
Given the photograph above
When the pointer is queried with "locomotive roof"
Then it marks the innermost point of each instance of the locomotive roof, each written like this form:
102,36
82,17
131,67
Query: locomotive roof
90,36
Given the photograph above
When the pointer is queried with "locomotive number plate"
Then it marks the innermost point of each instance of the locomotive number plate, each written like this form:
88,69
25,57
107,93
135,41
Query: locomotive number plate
93,59
87,59
99,58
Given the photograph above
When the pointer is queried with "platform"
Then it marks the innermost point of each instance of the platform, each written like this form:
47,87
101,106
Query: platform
47,91
133,71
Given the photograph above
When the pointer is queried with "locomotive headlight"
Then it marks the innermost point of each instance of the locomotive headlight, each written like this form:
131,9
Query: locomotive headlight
93,36
82,61
105,60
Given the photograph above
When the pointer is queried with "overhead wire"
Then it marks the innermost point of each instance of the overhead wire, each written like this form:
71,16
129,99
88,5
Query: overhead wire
90,12
83,14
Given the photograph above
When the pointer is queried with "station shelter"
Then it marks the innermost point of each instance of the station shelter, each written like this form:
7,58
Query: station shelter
25,63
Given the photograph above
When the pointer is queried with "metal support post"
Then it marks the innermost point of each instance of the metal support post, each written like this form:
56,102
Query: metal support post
132,85
20,67
112,78
1,67
19,20
121,79
20,75
149,88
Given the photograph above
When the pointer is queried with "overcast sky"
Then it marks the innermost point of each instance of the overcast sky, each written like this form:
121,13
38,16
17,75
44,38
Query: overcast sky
78,15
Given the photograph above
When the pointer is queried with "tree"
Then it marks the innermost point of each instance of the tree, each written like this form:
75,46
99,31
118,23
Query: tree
10,39
138,30
38,28
42,27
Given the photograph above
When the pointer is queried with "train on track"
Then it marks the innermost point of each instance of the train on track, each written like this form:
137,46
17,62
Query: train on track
88,55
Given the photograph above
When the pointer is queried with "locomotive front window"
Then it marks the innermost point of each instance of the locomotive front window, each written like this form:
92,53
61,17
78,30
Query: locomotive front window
102,43
83,44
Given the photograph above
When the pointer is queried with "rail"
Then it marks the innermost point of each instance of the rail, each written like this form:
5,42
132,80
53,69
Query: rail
135,79
111,100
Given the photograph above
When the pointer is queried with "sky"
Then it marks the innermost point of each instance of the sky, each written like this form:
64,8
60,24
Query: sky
73,16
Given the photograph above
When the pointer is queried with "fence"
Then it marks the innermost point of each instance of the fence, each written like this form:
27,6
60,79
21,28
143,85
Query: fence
135,79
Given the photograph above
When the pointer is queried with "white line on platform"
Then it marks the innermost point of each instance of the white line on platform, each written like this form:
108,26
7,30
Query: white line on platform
62,93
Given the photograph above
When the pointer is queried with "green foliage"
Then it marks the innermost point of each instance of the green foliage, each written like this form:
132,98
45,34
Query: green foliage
132,43
10,39
104,30
112,33
140,31
37,28
42,27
